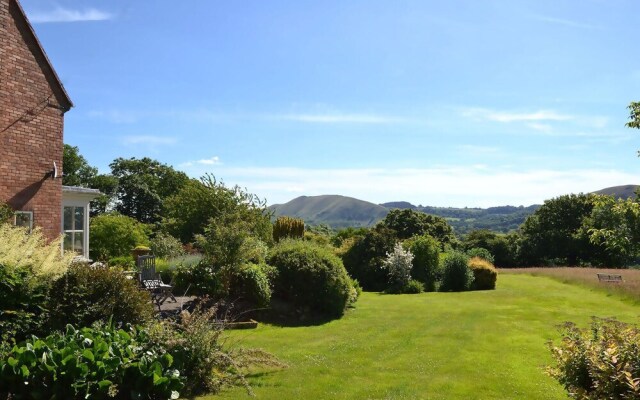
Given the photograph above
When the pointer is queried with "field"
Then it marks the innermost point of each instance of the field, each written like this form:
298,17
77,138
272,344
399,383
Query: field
474,345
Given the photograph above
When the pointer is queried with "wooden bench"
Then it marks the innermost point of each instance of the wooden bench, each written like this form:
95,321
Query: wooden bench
613,278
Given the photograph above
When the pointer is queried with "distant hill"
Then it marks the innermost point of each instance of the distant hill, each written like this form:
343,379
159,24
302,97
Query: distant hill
341,212
621,192
333,210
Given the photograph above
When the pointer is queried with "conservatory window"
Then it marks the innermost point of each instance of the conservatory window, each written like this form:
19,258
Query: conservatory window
73,226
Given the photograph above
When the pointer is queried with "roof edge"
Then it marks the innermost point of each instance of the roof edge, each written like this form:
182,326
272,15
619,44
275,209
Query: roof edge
63,92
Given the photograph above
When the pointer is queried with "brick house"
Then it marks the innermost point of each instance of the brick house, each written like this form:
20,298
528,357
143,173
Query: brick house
32,107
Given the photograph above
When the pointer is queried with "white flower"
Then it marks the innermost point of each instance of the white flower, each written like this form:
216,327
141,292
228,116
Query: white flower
174,395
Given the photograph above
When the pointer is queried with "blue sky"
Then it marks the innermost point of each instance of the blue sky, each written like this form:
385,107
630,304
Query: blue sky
444,103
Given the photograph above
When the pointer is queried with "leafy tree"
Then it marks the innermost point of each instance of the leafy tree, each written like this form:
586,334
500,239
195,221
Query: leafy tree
426,267
553,234
189,211
614,225
634,115
143,185
398,265
407,223
115,235
364,260
78,172
6,212
496,244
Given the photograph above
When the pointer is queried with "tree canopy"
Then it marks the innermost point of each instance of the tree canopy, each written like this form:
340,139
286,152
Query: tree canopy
408,223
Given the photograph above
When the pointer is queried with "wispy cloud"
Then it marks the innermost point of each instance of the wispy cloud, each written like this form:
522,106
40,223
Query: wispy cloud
149,140
507,116
215,160
341,118
476,185
67,15
564,22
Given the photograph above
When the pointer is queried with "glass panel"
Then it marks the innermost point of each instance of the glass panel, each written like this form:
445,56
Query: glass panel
23,219
68,218
79,219
78,245
68,241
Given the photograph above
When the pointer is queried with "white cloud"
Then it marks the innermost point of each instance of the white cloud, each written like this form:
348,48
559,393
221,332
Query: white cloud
564,22
66,15
149,140
215,160
340,118
478,185
506,117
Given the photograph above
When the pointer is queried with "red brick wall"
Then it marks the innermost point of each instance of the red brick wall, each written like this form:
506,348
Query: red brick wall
31,125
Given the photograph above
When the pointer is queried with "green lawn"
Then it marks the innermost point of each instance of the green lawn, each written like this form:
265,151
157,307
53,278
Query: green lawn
475,345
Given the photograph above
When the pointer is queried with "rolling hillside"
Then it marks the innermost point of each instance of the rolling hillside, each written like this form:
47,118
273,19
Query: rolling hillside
333,210
341,211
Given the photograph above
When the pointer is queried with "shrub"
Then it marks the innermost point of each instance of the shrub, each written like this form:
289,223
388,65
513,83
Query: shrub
27,266
6,212
398,265
196,343
310,277
250,283
355,292
426,266
601,362
456,274
85,295
96,363
115,235
413,287
125,262
364,259
481,253
484,274
288,227
166,246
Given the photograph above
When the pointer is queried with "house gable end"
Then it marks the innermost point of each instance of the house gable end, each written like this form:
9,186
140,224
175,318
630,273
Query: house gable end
31,40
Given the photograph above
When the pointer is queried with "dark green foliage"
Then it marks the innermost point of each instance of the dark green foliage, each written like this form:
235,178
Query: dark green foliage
480,253
310,277
124,262
193,208
553,235
484,274
600,362
85,295
78,172
407,223
143,186
347,233
99,363
22,303
166,246
413,287
634,115
6,212
288,227
456,274
426,263
364,260
115,235
497,244
250,283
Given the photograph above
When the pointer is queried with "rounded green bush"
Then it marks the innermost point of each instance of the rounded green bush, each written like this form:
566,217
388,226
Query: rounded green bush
484,274
456,274
249,282
310,277
481,253
85,295
426,265
413,287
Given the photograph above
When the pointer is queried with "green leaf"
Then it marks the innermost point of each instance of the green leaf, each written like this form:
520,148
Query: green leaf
25,371
88,355
105,384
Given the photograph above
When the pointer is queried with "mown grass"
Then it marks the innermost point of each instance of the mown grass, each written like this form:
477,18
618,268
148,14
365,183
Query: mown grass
629,288
474,345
